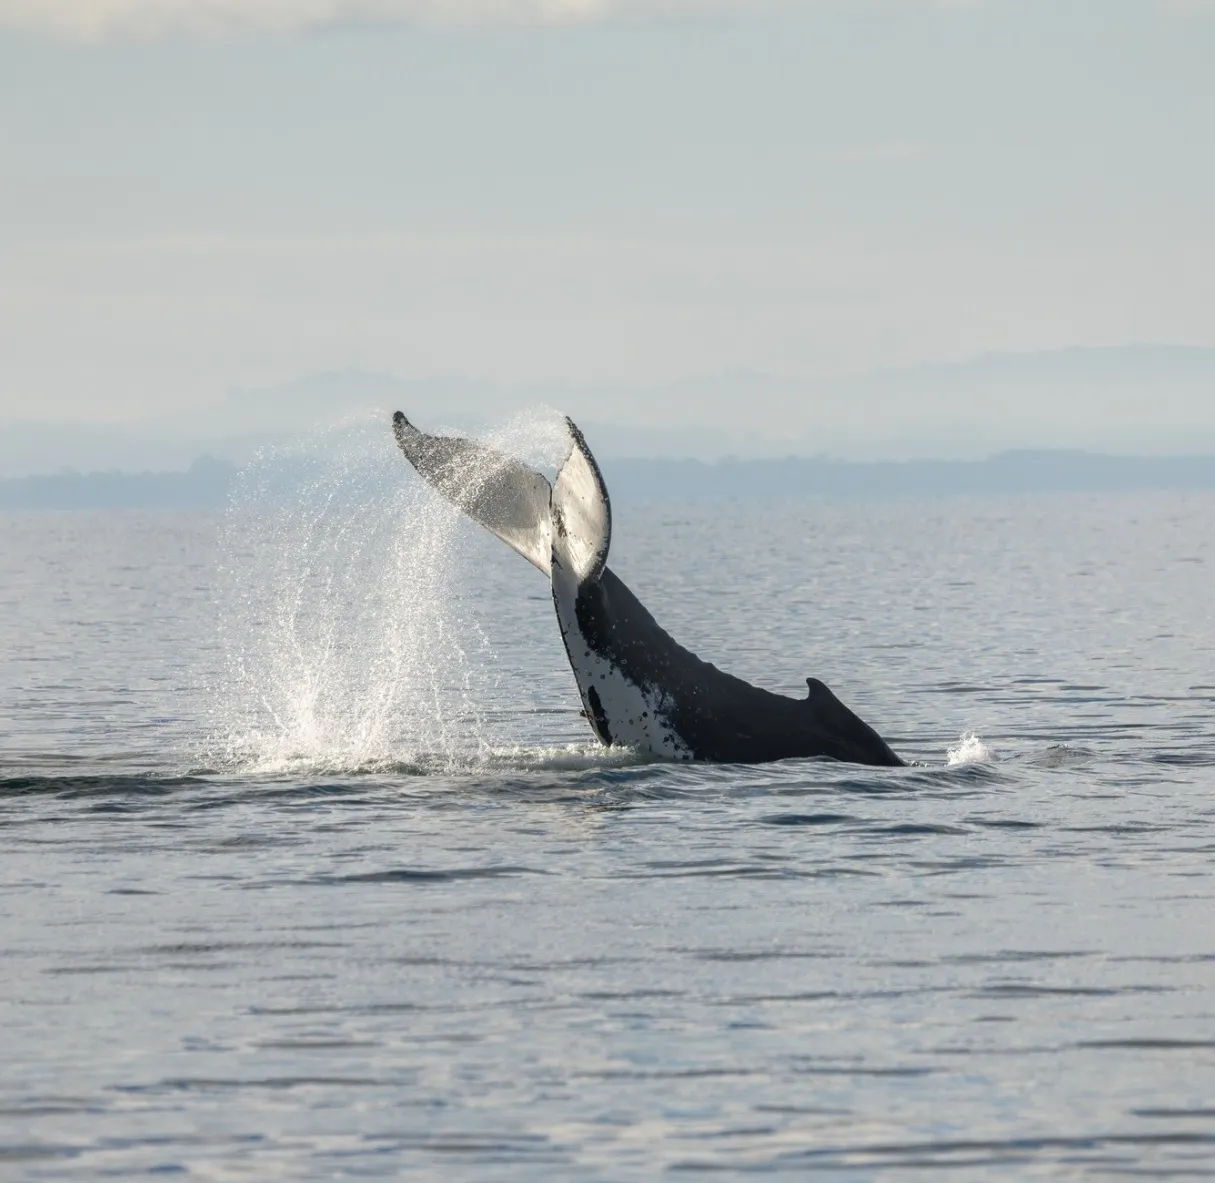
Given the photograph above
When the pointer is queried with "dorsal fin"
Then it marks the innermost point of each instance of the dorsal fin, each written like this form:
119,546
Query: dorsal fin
582,512
498,492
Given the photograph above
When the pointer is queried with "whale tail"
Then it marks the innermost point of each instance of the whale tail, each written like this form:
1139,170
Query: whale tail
570,520
639,687
581,512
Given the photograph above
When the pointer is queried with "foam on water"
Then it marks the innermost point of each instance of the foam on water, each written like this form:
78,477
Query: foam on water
348,612
970,749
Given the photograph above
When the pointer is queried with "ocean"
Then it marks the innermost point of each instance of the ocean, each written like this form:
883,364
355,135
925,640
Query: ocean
310,868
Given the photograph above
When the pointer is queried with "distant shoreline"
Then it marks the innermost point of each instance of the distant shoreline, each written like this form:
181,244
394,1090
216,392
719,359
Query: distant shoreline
207,483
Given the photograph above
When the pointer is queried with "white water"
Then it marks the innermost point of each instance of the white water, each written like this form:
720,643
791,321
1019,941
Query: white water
348,610
970,749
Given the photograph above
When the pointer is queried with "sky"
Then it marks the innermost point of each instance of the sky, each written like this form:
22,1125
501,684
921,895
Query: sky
206,196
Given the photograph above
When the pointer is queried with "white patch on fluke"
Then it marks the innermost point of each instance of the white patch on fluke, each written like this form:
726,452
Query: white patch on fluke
970,750
581,513
505,496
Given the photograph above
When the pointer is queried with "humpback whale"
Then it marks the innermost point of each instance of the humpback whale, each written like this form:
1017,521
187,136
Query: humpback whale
639,687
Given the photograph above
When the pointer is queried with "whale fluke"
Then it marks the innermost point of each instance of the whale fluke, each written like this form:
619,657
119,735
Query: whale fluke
497,491
582,512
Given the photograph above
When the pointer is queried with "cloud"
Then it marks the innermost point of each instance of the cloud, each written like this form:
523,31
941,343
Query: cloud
101,20
126,19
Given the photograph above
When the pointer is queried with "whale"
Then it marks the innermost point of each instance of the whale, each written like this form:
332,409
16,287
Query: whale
639,687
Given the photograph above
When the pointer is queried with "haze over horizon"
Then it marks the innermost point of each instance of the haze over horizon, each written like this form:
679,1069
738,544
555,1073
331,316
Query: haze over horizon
874,228
1130,402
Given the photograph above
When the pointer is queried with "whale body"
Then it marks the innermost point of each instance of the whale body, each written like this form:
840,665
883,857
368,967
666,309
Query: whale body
639,687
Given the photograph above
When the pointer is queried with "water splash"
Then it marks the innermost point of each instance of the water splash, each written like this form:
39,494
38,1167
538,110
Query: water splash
349,616
970,749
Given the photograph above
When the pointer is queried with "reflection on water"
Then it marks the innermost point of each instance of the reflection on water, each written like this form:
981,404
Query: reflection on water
483,947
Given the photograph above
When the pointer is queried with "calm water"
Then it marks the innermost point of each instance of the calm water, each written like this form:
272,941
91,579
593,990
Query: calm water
307,869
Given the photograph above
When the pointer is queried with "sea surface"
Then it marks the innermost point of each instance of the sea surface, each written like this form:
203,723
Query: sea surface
310,869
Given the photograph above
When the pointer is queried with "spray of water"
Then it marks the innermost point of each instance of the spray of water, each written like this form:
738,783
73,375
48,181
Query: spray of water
349,618
970,749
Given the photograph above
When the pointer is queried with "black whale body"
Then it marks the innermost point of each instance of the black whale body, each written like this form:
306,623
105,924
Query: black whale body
718,716
639,687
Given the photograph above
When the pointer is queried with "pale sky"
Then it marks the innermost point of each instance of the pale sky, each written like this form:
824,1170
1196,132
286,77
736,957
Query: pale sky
197,195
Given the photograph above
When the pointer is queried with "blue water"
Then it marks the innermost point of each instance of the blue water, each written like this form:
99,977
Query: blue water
309,868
